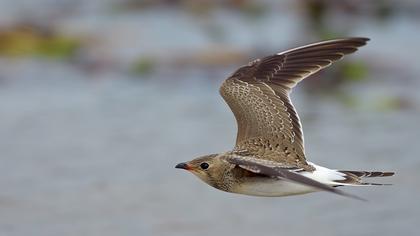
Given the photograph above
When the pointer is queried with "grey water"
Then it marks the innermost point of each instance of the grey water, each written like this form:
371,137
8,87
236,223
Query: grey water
96,156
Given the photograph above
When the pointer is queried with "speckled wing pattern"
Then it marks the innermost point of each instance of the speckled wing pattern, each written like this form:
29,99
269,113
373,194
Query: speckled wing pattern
258,95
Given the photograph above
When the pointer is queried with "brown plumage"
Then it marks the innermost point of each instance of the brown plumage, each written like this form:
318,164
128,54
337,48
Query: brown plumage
258,95
269,156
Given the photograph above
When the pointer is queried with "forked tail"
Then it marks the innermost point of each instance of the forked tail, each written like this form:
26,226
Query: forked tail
356,177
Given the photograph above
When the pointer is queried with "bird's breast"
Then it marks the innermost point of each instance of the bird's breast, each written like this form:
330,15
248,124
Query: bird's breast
270,187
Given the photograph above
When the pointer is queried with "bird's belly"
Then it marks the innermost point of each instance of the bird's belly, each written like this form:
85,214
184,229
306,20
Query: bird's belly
268,187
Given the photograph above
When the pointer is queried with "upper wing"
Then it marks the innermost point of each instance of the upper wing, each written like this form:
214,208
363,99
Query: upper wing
258,95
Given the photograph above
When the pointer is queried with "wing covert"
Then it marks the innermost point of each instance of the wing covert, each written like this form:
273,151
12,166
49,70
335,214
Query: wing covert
258,95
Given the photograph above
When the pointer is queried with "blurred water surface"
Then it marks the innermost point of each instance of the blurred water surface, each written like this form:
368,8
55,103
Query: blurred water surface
86,152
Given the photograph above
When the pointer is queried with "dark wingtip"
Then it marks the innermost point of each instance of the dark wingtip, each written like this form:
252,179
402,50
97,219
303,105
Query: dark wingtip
362,38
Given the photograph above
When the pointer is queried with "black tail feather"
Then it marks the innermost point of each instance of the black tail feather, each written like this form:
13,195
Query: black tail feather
355,177
368,174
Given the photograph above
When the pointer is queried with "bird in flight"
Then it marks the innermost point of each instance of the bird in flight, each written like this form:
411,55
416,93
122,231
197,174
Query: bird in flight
269,157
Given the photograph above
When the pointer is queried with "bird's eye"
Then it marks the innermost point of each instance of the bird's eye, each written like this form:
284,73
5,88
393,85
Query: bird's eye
204,165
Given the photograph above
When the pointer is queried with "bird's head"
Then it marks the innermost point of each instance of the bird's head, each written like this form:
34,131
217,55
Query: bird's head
209,168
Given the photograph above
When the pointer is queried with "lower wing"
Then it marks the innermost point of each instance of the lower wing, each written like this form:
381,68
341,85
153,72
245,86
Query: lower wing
269,168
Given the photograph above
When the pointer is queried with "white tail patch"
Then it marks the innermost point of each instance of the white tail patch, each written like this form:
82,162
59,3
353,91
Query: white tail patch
324,175
343,178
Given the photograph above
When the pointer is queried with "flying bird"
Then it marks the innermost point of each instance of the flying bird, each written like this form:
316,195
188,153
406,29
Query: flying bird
269,156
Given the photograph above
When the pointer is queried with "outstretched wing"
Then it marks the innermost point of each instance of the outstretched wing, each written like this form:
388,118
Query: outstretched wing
258,95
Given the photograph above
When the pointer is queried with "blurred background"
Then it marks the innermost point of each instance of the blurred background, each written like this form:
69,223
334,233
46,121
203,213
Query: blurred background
99,99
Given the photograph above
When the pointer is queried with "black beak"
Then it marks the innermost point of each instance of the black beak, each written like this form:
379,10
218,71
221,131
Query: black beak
183,165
